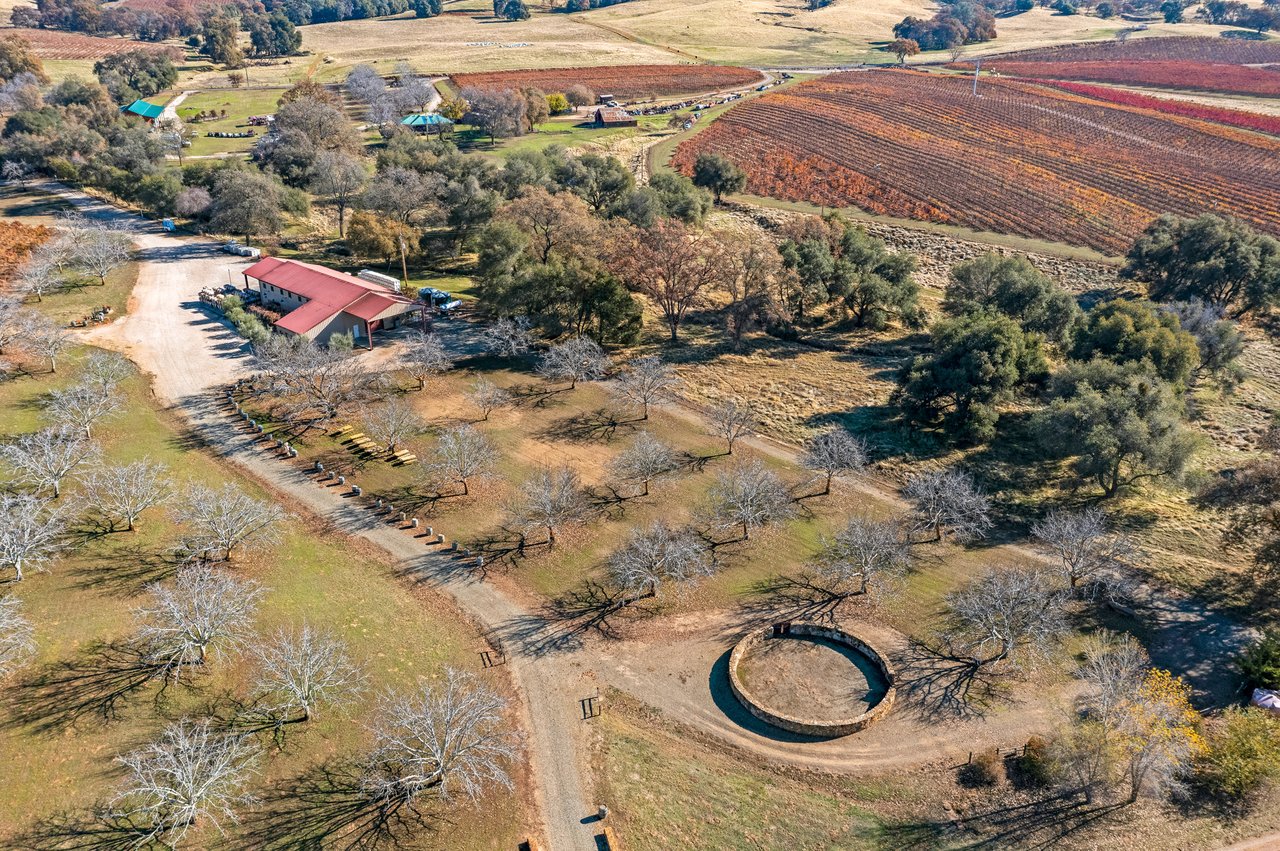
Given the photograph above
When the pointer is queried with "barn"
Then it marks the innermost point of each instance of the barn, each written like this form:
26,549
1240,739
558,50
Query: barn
613,116
321,302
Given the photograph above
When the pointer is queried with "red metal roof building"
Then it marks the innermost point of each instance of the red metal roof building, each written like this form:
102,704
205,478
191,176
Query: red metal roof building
322,302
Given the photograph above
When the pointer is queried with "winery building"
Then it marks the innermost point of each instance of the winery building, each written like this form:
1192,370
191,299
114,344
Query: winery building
319,302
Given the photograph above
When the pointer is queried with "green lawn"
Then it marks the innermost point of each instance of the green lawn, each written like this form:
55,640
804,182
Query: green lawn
239,104
396,634
569,130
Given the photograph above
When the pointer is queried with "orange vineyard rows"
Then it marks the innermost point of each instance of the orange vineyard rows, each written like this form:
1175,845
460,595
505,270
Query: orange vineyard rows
1229,51
623,81
1021,159
1173,74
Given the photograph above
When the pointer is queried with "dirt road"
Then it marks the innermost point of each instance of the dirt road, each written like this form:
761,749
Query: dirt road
188,352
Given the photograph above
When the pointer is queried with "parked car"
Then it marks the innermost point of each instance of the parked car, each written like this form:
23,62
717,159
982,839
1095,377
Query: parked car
250,252
232,248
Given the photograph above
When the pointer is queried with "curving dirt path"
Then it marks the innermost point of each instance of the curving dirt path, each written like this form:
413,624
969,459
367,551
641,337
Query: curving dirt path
187,353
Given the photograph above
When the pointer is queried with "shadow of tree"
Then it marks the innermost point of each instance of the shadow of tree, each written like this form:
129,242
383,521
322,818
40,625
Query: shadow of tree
534,395
98,683
1039,823
791,597
127,570
564,623
328,807
939,684
70,831
598,426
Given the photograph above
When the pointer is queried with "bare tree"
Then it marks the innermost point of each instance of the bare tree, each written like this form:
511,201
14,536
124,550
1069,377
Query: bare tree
203,609
488,397
835,453
749,496
192,773
122,492
305,668
645,460
341,177
732,420
105,369
659,554
462,454
38,276
426,358
1004,614
447,739
16,323
174,135
551,499
391,423
313,385
574,360
948,501
82,405
47,340
866,554
31,532
222,519
17,637
648,382
1113,668
1084,546
100,250
45,458
507,338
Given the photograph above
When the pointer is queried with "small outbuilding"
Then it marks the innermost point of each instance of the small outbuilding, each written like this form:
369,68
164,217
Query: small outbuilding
143,109
613,116
427,122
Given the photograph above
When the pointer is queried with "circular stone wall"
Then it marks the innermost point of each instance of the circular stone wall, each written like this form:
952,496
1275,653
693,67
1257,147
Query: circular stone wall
813,680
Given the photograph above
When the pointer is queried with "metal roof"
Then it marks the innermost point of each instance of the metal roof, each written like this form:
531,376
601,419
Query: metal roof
144,108
425,119
328,292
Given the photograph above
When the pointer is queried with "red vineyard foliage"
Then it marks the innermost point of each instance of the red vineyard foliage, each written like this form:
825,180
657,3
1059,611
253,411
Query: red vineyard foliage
1233,117
55,44
623,81
1229,51
16,242
1172,74
1021,159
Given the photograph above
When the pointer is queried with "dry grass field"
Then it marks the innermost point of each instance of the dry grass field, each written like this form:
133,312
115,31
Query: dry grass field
473,42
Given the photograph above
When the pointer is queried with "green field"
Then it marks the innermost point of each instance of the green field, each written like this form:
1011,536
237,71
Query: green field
239,104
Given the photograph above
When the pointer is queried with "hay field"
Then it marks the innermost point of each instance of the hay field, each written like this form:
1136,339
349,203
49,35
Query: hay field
473,42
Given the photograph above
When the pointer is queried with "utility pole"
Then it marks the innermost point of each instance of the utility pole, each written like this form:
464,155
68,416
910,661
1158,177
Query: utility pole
976,68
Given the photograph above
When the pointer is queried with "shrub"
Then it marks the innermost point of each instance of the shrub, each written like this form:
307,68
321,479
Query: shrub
1243,754
1260,662
986,769
1034,765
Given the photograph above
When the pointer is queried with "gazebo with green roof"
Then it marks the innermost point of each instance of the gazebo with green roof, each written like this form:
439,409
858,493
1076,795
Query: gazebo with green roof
430,122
